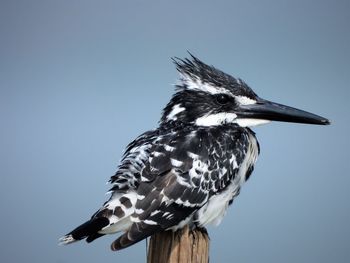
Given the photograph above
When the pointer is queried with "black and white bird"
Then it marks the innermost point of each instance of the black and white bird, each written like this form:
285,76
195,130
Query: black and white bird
190,169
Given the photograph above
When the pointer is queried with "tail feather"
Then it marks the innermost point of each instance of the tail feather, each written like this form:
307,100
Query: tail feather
136,233
92,237
65,240
87,230
112,217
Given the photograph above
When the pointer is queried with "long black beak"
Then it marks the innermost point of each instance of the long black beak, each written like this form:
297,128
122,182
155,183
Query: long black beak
267,110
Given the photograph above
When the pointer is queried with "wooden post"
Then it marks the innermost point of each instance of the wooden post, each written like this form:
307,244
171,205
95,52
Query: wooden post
182,246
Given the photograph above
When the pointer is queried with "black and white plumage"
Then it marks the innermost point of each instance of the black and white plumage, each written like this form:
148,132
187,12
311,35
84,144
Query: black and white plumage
189,169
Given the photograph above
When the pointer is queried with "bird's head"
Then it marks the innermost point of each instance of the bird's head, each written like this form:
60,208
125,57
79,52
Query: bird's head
207,96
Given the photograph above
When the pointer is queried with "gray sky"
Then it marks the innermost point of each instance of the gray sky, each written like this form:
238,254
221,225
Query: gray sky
81,79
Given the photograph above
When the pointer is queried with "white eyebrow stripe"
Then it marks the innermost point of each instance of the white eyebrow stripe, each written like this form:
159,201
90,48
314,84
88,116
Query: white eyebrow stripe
197,84
243,100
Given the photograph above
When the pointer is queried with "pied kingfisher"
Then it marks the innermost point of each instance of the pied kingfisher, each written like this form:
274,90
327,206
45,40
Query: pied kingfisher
189,169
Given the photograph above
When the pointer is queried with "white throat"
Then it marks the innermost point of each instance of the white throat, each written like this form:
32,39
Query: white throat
216,119
250,122
221,118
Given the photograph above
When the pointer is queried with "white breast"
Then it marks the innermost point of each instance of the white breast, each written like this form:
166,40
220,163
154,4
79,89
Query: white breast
215,209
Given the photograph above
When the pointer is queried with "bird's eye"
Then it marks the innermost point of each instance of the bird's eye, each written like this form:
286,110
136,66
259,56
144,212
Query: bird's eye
222,99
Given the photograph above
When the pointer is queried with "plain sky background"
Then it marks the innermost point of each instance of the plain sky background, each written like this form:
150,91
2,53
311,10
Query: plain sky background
80,79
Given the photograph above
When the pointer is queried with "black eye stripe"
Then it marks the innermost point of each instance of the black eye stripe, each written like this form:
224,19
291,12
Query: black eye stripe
223,99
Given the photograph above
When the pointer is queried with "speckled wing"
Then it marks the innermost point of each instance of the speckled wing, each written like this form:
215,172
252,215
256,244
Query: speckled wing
178,179
114,215
135,158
